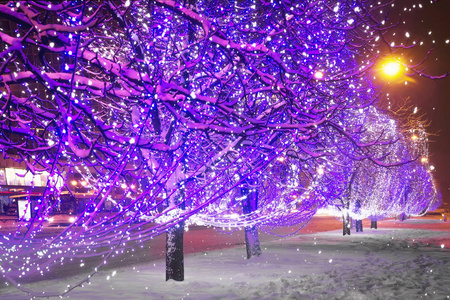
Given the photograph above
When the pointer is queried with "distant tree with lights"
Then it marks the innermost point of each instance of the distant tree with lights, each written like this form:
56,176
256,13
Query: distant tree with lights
389,186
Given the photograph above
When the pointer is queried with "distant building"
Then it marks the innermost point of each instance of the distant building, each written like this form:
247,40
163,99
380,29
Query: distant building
14,180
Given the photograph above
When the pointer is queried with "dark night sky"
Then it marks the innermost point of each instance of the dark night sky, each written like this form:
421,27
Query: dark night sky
432,97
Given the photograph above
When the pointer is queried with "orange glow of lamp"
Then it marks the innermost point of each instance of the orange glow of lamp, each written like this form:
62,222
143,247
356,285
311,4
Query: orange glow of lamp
392,68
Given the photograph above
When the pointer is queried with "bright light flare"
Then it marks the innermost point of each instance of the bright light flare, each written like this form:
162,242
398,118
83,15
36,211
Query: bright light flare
319,75
392,68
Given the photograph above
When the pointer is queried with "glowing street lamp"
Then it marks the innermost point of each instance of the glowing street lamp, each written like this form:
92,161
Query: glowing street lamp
392,68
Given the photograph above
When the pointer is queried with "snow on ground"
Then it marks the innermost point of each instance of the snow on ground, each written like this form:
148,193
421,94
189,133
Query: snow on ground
388,263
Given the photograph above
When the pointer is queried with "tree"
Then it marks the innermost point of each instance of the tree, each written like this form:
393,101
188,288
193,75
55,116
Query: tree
384,189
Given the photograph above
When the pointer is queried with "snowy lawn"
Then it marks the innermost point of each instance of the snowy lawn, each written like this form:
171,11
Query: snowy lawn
388,263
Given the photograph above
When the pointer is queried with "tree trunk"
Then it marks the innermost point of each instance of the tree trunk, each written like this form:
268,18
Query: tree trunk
252,241
174,236
352,223
249,205
174,253
359,226
347,223
373,224
402,217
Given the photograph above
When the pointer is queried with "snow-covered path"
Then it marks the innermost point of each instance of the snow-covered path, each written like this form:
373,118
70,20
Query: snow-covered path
388,263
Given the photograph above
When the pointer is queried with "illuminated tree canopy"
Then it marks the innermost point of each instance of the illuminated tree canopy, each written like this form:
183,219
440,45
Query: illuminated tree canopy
411,189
